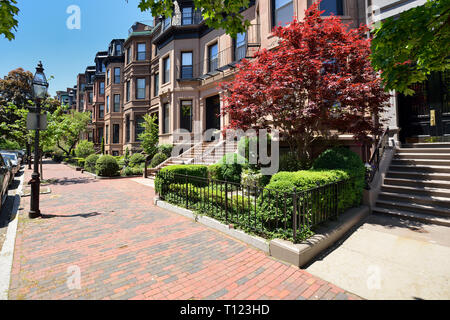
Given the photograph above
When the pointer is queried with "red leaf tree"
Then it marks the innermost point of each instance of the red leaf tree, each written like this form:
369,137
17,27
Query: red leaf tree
316,83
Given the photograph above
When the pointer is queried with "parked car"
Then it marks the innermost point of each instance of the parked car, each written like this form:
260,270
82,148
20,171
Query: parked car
18,155
5,177
11,169
14,160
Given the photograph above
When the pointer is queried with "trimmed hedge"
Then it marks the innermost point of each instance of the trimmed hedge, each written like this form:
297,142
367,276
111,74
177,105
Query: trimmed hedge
136,159
107,166
214,172
165,178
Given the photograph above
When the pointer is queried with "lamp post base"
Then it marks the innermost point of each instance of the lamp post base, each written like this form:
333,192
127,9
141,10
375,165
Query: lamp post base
34,214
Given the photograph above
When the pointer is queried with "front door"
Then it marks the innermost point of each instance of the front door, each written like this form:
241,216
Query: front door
425,116
213,113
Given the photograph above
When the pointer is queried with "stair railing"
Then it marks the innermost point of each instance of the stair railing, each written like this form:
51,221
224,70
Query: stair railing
374,163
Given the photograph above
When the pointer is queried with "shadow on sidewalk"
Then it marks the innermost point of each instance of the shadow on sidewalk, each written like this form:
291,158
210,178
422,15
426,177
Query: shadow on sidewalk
82,215
64,182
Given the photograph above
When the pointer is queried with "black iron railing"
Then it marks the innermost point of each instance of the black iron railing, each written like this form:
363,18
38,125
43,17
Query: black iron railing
376,157
266,212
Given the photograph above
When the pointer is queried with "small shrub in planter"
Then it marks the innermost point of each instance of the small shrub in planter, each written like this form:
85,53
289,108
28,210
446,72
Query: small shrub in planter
158,159
106,166
89,163
136,159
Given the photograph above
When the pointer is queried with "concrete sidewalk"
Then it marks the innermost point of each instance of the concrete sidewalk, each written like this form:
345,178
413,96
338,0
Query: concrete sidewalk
390,258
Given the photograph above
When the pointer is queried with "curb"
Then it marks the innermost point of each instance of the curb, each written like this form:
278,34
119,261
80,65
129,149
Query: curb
7,253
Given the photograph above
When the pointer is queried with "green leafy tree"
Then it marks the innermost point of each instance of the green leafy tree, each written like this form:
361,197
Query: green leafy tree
16,88
84,148
150,136
218,14
8,21
407,48
64,129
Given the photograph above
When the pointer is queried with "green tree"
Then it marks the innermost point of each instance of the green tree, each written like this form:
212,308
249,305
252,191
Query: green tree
64,129
84,148
407,48
150,136
8,22
218,14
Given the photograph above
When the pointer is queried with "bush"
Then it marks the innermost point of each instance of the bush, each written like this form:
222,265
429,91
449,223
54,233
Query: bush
165,177
343,159
231,166
89,163
214,172
84,148
106,166
136,159
289,163
166,149
244,149
158,159
81,163
57,156
252,178
128,171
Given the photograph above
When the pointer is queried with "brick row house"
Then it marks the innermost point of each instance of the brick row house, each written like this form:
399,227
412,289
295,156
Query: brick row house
173,67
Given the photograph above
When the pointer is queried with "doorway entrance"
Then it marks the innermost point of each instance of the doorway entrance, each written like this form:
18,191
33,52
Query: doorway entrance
425,116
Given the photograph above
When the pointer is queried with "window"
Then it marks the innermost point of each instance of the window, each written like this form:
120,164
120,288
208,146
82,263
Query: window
166,114
140,88
213,57
186,15
107,135
128,55
107,104
138,128
103,68
141,52
335,7
127,128
186,65
102,87
240,46
100,134
101,111
108,76
117,103
116,131
118,51
91,97
186,115
128,90
166,66
156,85
167,22
282,12
117,75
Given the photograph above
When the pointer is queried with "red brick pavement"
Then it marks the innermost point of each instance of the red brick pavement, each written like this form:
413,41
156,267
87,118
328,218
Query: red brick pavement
126,248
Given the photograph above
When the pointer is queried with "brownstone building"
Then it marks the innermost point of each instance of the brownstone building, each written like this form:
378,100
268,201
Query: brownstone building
98,103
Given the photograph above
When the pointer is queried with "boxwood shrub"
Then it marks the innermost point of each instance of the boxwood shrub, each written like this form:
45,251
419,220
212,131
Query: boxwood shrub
136,159
106,166
158,159
90,161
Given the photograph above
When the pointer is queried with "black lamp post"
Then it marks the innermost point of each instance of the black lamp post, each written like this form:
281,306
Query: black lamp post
40,86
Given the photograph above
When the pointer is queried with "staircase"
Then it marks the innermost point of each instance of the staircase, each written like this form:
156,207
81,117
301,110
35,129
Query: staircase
205,153
417,184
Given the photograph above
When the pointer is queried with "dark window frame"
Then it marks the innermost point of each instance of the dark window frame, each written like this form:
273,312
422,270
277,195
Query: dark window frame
117,77
116,103
116,137
187,71
138,97
166,115
166,71
274,10
213,63
138,58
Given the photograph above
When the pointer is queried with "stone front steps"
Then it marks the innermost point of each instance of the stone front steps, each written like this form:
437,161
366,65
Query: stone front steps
417,184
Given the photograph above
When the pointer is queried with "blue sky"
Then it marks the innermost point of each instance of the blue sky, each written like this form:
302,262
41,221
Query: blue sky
43,35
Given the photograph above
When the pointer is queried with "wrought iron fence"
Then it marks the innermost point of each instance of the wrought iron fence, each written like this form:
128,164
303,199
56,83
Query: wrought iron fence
264,211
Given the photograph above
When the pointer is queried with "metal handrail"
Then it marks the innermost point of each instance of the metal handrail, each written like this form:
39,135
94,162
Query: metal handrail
377,155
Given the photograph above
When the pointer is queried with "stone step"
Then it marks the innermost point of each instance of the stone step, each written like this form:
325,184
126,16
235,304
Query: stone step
439,184
417,190
420,168
415,199
427,145
431,162
423,150
411,215
414,207
426,156
418,175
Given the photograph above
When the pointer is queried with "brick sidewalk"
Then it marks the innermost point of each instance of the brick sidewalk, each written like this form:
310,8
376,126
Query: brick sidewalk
126,248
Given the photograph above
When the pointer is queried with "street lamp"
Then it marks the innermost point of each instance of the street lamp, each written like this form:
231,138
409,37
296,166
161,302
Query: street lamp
39,87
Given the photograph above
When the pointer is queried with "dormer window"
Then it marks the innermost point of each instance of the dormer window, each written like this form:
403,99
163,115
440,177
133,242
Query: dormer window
118,51
186,15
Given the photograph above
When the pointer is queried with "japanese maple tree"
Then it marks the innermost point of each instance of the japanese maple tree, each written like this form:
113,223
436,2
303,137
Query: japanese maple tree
317,82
